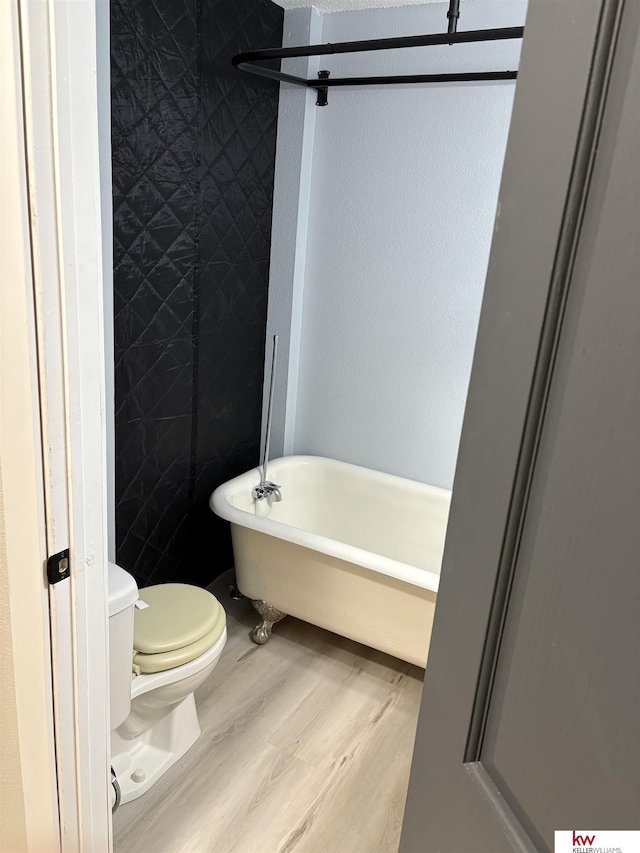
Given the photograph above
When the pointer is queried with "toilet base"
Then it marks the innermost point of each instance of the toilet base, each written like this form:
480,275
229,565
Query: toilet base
140,762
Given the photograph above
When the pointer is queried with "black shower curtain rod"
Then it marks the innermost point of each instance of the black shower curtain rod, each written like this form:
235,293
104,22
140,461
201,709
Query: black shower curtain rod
245,61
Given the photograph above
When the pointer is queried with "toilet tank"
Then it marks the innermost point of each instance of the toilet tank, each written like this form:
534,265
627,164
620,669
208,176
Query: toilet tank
123,593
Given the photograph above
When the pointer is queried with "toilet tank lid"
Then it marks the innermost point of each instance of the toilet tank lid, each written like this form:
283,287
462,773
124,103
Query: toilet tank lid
123,590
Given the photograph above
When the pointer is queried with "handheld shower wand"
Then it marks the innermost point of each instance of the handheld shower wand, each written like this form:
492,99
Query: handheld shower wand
265,488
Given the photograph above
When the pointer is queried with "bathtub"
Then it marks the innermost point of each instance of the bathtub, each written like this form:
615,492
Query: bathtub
352,550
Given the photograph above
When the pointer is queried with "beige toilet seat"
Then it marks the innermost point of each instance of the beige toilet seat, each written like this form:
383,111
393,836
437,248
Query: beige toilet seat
180,623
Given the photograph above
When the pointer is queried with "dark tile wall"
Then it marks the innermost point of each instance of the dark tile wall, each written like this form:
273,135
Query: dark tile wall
193,160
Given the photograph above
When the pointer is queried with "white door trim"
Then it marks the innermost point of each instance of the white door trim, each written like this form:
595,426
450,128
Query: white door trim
29,817
58,44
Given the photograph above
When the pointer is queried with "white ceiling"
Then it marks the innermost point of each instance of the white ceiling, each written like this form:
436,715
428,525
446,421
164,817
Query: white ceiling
343,5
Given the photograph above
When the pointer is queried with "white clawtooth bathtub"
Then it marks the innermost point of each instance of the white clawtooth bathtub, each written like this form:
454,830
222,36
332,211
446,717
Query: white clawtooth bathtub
352,550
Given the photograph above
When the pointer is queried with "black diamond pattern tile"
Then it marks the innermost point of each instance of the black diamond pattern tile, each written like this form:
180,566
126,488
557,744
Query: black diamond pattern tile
193,161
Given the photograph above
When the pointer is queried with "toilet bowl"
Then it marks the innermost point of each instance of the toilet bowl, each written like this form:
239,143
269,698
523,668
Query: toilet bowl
164,642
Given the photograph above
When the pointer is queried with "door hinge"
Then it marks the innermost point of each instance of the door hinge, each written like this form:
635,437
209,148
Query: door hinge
58,566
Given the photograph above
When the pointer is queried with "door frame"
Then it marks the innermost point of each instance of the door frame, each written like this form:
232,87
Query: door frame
54,46
562,88
29,798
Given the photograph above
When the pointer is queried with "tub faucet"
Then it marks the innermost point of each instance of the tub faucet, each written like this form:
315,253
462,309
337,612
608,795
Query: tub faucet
266,489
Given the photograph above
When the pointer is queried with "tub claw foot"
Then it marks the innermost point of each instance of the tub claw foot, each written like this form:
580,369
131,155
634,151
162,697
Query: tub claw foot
270,615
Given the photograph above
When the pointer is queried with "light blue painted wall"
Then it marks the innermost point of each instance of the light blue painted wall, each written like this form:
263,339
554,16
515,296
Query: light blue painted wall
402,196
290,226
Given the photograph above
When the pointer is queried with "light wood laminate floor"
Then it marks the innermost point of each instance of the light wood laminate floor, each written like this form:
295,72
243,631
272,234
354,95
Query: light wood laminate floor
306,746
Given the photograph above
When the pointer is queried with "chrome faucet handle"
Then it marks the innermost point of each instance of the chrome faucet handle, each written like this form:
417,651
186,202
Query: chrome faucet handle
266,489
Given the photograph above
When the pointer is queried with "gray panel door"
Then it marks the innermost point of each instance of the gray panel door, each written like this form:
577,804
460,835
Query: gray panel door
530,719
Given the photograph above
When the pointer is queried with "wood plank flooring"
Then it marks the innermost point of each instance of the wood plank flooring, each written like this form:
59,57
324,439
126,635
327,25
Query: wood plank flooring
306,746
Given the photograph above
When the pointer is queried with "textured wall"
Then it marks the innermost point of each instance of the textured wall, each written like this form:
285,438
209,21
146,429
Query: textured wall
402,202
193,158
103,81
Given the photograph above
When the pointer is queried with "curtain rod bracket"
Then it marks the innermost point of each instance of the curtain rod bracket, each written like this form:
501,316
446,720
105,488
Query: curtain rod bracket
323,91
453,14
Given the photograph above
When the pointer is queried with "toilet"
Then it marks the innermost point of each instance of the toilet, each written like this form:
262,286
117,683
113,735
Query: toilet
163,643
